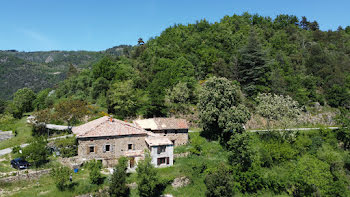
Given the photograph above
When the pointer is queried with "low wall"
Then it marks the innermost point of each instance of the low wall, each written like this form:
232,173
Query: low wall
23,176
4,135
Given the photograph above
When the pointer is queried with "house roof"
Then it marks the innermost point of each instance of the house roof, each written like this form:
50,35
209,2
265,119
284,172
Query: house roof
106,126
157,141
162,123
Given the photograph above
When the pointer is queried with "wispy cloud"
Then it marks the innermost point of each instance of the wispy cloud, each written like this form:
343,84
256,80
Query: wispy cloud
42,40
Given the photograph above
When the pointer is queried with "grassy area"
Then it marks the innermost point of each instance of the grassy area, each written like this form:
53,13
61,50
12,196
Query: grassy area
45,186
191,167
23,133
5,165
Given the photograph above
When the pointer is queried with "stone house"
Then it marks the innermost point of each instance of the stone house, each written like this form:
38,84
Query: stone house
174,129
106,139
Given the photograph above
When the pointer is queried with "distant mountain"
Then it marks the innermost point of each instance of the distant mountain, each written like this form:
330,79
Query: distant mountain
44,69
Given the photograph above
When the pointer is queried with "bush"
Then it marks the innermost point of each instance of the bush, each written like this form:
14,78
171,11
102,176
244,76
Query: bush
61,177
147,179
118,181
68,146
95,175
219,183
36,152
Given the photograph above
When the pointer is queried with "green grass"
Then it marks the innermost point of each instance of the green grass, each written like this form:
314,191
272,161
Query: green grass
5,165
212,154
45,186
24,132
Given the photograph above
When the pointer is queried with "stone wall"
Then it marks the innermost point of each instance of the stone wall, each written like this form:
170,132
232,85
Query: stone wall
4,135
180,136
24,176
118,147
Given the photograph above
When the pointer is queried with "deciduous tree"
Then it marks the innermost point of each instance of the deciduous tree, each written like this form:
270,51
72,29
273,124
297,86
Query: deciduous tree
118,185
147,178
220,109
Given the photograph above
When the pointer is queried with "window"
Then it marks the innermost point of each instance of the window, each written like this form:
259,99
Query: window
163,160
130,147
107,148
91,149
161,149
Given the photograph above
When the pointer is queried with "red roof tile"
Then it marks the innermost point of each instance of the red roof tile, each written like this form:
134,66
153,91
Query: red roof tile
107,126
162,123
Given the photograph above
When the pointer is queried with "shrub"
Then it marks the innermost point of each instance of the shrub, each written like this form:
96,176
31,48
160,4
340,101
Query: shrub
36,152
118,181
67,146
219,182
61,177
95,175
147,179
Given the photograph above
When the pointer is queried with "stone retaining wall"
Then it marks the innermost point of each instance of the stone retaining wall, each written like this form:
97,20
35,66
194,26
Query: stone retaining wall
4,135
29,176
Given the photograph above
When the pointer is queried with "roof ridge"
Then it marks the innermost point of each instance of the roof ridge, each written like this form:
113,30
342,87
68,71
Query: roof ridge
100,123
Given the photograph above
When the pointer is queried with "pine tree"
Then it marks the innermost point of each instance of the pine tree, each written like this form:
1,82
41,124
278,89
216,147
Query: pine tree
252,67
118,181
72,71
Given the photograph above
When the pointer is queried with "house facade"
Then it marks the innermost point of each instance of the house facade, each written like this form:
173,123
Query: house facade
106,139
176,130
161,150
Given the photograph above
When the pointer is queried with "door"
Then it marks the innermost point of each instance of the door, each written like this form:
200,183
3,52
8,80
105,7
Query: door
132,162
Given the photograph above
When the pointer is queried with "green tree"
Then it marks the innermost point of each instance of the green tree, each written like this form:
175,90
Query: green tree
147,178
95,175
2,106
68,146
278,108
118,185
36,152
71,110
105,68
23,100
100,86
178,98
219,183
40,102
220,109
338,96
72,71
123,100
343,133
241,151
252,67
311,177
61,177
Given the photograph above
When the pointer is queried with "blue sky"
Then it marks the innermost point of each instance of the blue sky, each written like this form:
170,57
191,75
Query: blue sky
97,25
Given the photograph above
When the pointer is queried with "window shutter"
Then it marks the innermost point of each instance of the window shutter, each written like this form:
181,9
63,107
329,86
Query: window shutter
112,148
167,160
95,149
104,148
133,146
158,161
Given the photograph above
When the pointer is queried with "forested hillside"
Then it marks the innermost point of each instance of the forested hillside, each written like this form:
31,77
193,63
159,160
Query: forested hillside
222,77
43,69
285,55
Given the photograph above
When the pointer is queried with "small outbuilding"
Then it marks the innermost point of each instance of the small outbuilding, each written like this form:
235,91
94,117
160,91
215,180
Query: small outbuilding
161,150
176,130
